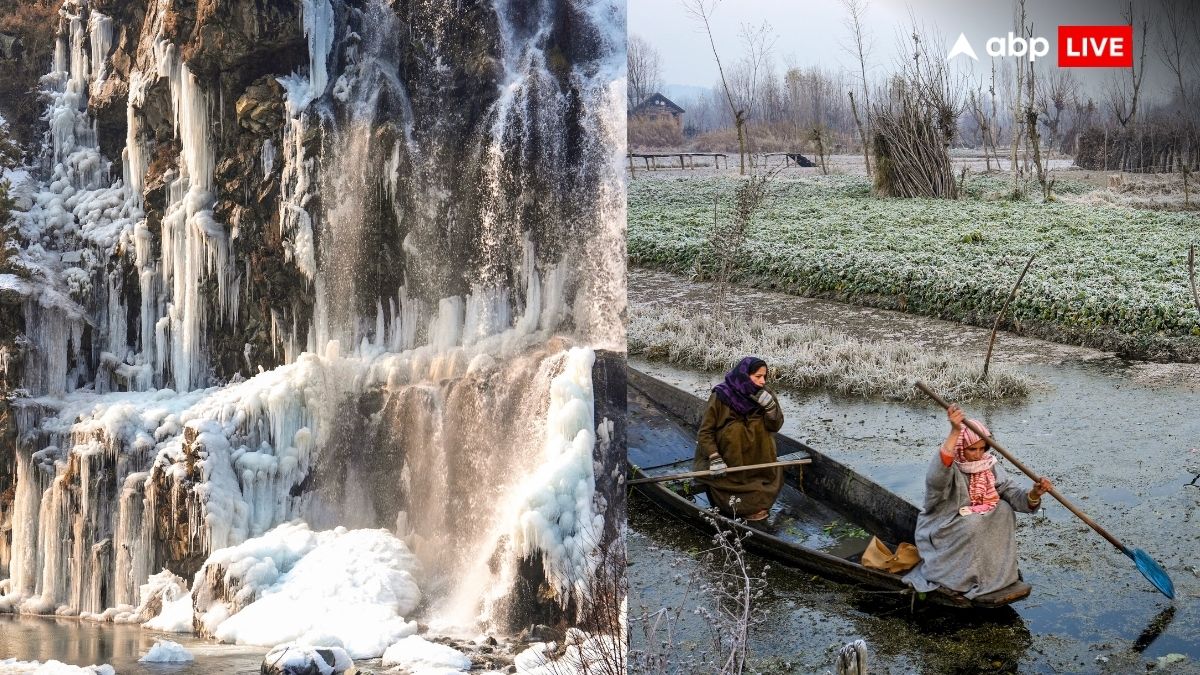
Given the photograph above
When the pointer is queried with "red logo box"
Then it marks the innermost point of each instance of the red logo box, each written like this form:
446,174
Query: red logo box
1095,46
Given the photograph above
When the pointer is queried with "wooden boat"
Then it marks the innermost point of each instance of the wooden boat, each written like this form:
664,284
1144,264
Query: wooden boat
824,516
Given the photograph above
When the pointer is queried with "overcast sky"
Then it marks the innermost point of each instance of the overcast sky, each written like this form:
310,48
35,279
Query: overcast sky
813,32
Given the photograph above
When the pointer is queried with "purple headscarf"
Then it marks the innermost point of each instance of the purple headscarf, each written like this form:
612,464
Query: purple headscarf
737,391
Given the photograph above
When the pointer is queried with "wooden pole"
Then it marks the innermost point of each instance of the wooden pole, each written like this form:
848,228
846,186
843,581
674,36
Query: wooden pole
996,324
732,469
1025,470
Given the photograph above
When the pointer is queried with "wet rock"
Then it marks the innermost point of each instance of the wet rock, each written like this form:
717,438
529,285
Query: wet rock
156,111
246,38
537,633
260,109
107,106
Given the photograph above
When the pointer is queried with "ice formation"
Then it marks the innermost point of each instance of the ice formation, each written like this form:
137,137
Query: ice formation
340,588
166,651
560,515
439,401
52,667
291,657
417,655
584,653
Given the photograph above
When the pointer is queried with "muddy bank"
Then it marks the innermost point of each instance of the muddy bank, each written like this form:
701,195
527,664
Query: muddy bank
651,288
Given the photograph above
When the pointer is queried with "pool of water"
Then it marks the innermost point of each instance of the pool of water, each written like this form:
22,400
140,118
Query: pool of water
85,643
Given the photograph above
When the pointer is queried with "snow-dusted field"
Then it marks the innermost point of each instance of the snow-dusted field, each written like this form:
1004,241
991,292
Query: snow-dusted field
1105,274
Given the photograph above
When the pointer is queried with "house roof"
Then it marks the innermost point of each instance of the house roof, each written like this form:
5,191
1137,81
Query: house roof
657,101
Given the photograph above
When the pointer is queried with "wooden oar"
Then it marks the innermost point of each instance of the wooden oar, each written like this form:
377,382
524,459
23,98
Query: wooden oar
732,469
1144,562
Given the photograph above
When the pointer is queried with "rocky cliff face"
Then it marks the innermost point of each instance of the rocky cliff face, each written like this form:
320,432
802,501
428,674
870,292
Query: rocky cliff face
273,248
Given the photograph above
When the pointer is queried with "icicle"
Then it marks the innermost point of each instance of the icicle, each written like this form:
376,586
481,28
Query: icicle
135,154
446,330
268,157
100,28
318,28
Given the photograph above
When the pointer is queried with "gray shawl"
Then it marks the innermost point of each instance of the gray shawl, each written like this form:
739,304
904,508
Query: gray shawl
975,554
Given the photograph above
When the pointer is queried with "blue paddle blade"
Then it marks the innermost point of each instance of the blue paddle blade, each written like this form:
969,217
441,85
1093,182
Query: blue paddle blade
1152,571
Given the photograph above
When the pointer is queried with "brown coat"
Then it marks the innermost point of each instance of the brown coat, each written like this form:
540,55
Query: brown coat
740,441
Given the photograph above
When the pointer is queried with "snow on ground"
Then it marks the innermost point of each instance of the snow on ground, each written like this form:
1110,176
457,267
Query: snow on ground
419,656
292,657
13,666
338,588
166,651
584,653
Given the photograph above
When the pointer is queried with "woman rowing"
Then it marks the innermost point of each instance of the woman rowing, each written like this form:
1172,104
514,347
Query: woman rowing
737,430
965,531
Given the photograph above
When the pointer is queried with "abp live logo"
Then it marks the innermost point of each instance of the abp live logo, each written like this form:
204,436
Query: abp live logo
1095,46
1078,47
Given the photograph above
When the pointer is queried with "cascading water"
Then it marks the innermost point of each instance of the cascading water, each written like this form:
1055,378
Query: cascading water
386,319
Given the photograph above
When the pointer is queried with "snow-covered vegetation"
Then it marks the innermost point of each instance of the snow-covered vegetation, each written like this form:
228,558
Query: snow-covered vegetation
814,357
1107,276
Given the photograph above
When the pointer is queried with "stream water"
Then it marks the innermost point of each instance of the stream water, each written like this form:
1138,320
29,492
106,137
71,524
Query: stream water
1119,438
85,643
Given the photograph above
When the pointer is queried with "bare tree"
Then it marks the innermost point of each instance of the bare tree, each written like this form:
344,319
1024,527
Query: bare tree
723,248
977,106
1083,115
1179,44
994,126
645,70
1055,91
856,10
812,94
1017,106
753,71
1031,131
1125,87
702,11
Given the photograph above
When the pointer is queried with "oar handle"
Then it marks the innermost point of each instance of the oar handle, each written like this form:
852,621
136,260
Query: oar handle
1028,472
732,469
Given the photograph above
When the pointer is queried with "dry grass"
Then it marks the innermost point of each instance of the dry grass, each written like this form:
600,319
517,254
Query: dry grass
654,133
770,138
811,357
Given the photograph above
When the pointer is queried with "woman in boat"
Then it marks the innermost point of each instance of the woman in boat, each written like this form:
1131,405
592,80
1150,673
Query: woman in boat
965,531
737,430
